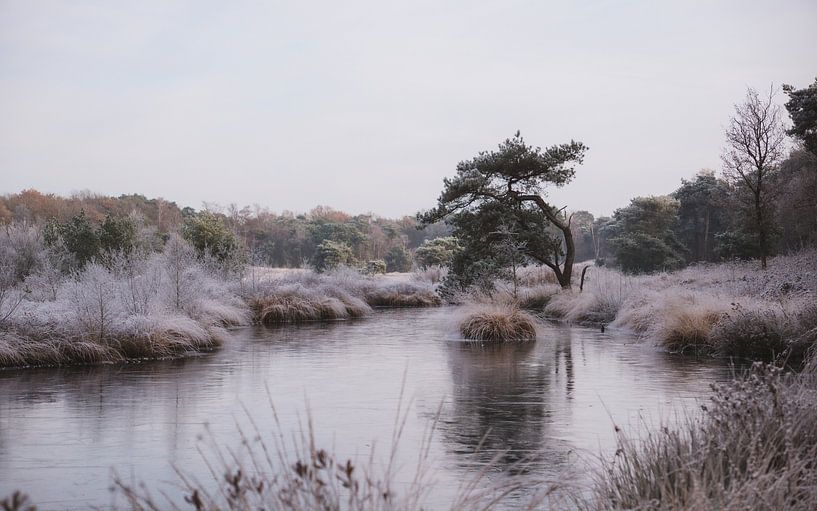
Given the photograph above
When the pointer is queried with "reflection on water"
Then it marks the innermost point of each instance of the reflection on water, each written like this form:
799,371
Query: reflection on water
62,430
500,403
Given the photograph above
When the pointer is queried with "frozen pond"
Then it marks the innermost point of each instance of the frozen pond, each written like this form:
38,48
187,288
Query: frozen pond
553,402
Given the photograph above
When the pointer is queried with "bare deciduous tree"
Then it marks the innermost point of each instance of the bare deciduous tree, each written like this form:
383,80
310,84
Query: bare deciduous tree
755,144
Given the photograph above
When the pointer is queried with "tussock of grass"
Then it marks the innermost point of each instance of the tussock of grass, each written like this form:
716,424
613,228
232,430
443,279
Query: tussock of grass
766,333
582,308
754,448
497,323
533,297
340,294
403,294
536,297
535,275
294,303
678,321
687,329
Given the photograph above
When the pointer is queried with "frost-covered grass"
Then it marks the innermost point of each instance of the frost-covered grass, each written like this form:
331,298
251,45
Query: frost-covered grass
754,447
148,304
290,300
432,275
139,306
487,322
340,294
731,308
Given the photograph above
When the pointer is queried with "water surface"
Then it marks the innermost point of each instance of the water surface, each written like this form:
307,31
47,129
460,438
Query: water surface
552,403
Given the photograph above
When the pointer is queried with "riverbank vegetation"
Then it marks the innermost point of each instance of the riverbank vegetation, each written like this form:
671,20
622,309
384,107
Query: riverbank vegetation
727,308
753,447
79,293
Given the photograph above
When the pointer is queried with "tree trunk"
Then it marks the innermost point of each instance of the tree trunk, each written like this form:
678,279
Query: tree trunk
564,274
570,255
761,230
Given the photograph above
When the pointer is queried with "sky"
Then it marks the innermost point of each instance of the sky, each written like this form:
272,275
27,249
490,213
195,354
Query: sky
367,106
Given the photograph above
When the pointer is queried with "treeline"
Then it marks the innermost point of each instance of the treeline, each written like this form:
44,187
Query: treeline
764,201
704,220
88,226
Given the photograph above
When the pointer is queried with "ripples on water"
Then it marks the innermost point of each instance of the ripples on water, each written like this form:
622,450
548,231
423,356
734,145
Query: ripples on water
551,403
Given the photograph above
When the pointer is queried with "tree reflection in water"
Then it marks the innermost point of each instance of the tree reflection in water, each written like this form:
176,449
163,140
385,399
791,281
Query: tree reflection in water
501,405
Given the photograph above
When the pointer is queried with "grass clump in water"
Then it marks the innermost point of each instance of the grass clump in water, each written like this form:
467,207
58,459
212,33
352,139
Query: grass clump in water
497,323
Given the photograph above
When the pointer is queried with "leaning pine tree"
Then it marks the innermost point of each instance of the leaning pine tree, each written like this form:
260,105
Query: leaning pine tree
507,186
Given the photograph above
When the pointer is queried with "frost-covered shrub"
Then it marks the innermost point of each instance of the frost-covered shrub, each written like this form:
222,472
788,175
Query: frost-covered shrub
92,300
208,234
137,305
333,254
436,252
139,282
21,249
45,280
181,269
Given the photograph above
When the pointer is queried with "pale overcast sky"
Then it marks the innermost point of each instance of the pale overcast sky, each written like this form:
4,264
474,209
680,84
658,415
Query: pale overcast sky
366,106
